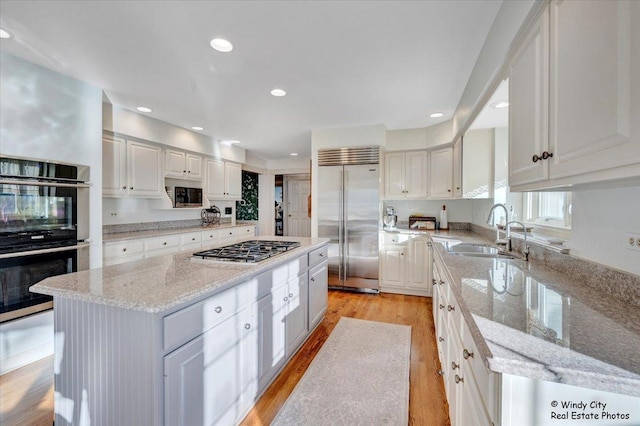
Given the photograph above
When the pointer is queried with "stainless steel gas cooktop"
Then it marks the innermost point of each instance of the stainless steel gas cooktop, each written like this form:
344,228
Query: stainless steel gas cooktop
252,251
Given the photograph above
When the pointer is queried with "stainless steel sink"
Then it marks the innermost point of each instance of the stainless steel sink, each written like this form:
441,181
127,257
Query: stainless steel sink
477,250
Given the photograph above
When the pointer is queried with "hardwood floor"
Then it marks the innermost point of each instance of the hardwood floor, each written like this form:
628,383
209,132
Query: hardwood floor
427,402
26,395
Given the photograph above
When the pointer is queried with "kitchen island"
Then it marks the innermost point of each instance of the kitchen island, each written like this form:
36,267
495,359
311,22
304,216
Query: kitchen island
179,340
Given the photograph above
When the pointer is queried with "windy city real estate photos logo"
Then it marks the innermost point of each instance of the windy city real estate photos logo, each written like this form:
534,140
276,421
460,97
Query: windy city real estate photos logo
596,412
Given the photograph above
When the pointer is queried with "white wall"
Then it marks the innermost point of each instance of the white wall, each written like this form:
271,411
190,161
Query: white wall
601,218
52,117
420,138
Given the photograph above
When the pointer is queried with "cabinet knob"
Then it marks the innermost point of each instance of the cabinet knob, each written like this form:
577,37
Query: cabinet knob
131,187
448,190
184,171
193,239
457,187
286,299
441,339
546,155
459,379
441,306
313,279
247,326
441,282
466,354
218,309
164,243
124,249
124,187
434,281
291,295
321,254
451,308
454,365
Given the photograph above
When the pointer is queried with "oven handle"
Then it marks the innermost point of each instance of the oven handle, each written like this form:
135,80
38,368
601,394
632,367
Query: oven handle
29,182
43,251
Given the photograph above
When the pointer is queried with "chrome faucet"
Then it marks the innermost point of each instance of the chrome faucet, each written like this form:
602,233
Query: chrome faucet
525,250
491,221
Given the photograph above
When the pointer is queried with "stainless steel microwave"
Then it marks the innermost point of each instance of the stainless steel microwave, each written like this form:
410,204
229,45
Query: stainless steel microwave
187,197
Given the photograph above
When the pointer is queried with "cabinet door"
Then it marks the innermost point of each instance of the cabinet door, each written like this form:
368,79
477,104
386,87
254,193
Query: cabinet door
457,169
415,177
297,314
591,82
441,174
233,180
193,167
318,293
393,266
114,167
270,315
145,170
394,175
215,179
205,380
174,164
528,106
419,276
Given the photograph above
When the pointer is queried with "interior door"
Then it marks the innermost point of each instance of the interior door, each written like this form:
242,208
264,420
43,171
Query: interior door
298,220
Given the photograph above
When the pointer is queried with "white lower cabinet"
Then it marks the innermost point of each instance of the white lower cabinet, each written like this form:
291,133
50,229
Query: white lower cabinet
206,380
269,319
318,293
405,267
297,308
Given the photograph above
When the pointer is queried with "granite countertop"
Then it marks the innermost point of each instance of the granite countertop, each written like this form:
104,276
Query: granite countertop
163,282
123,236
530,320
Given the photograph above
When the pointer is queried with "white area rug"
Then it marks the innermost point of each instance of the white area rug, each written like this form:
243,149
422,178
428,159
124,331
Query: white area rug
359,377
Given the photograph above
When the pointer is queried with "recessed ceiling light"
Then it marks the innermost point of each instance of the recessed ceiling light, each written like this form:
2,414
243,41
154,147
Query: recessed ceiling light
144,109
197,128
294,154
278,92
5,34
436,114
229,143
500,104
221,45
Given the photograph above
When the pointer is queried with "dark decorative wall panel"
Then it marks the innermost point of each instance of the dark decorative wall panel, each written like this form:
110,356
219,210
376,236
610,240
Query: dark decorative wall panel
248,211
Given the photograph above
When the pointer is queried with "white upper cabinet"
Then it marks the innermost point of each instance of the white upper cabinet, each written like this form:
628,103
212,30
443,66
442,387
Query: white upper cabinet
441,174
528,106
182,165
131,169
406,174
223,180
574,94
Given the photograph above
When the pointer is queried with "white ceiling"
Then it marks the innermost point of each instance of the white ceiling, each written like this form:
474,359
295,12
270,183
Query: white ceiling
342,63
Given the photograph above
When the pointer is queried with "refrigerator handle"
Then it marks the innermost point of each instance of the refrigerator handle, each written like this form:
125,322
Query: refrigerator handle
345,215
341,228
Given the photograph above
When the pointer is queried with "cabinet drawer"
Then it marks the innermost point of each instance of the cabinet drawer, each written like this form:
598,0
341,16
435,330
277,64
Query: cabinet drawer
191,238
184,325
247,231
229,233
210,236
318,255
122,249
280,275
157,243
479,370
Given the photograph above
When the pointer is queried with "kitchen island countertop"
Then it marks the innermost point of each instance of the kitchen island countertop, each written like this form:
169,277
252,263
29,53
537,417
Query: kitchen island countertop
163,282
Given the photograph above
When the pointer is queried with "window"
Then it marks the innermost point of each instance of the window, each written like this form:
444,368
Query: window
548,209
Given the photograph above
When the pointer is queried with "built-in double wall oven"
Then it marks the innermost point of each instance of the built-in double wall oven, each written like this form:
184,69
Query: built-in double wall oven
40,235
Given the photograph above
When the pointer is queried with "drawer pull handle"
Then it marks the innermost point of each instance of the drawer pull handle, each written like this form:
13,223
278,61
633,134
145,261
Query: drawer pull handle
466,354
454,365
441,306
124,249
218,309
441,339
459,379
451,308
247,326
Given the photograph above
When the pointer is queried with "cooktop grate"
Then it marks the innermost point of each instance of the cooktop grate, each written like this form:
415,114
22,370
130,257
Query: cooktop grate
251,251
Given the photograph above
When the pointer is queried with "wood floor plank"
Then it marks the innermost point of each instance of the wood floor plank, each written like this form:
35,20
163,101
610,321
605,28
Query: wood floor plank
26,395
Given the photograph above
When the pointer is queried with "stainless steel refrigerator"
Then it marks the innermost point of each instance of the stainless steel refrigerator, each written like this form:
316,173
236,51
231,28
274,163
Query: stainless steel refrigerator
348,214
